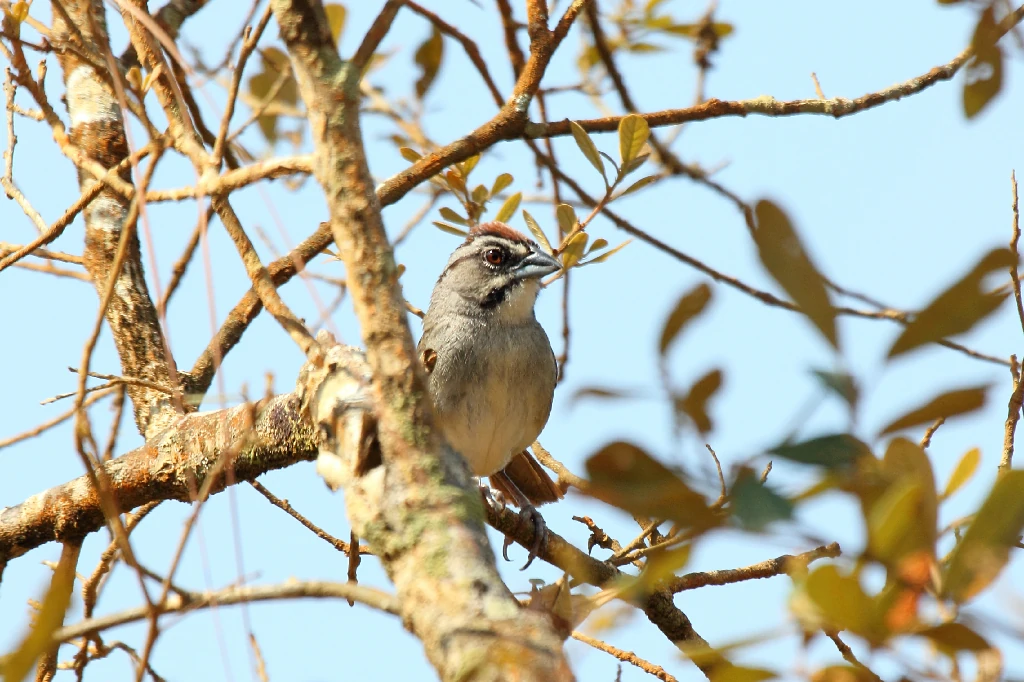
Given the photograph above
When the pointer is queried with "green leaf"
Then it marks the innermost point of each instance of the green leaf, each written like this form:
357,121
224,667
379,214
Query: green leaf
535,230
336,15
640,184
694,403
573,251
633,134
983,74
948,404
587,146
500,183
838,451
755,505
479,194
980,555
508,209
566,217
963,472
453,217
953,637
902,522
606,255
450,229
958,308
410,155
628,168
840,383
428,58
690,305
840,599
626,477
786,260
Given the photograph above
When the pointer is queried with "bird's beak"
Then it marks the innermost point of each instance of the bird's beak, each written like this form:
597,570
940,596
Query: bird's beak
536,265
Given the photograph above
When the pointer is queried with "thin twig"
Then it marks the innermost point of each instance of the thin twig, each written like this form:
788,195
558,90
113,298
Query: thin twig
625,656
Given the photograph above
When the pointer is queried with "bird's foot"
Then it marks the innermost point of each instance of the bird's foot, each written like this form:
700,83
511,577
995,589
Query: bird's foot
494,499
540,534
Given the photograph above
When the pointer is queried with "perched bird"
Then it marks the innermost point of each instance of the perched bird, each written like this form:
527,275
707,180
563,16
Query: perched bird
490,365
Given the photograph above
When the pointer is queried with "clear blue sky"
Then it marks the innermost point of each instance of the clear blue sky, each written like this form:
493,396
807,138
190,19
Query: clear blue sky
896,203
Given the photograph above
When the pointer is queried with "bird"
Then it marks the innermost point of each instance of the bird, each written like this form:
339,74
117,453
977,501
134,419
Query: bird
491,373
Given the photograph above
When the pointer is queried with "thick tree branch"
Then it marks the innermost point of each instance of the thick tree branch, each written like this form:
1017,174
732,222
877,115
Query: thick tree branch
423,511
171,466
97,128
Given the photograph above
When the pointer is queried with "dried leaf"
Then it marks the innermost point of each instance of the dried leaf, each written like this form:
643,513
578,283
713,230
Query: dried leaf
958,308
786,260
838,451
984,549
625,476
963,472
948,404
601,393
633,134
428,58
983,74
452,216
336,15
537,233
450,229
689,306
755,505
587,146
694,403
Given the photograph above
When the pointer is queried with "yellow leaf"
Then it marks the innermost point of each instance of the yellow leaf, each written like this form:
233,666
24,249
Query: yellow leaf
566,217
983,74
450,229
785,259
19,11
451,216
958,308
500,183
50,617
984,549
633,134
690,305
840,599
892,518
535,230
428,58
573,251
410,155
953,637
948,404
963,472
640,184
587,146
335,19
508,209
607,254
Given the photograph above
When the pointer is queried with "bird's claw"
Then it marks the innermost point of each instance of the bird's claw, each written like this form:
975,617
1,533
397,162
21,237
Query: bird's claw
540,535
494,499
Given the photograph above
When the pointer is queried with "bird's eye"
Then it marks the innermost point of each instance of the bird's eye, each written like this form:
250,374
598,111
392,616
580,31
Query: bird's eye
494,256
